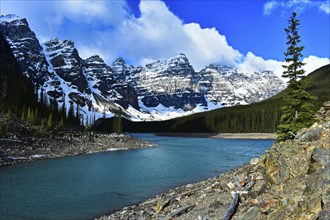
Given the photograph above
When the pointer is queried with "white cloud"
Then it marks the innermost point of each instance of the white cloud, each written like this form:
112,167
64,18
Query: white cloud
253,63
159,34
86,51
105,12
109,29
325,7
296,5
208,46
313,63
269,7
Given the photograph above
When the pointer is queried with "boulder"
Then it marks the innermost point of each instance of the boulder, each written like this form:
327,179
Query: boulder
321,155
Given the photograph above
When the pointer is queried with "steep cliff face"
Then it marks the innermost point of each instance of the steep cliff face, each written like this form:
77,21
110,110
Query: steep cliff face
28,52
66,62
157,91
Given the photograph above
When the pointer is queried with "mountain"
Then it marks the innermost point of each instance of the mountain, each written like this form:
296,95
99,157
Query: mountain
231,87
261,117
157,91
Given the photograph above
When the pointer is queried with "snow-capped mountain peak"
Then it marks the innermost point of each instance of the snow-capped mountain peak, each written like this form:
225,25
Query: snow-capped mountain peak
157,91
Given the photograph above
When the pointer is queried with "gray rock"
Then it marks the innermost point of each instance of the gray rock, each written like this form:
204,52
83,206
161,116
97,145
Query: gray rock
324,215
283,171
253,214
311,134
321,155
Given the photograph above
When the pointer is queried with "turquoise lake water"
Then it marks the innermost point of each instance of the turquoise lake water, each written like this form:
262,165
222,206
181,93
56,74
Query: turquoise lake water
87,186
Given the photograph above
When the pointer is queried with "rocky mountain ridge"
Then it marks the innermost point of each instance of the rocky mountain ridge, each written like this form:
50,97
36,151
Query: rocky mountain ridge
156,91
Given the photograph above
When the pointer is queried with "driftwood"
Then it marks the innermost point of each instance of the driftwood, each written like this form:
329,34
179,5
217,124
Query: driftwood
180,211
189,193
11,140
232,208
250,185
234,203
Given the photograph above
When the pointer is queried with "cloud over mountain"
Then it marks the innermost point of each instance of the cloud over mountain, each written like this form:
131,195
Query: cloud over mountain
110,29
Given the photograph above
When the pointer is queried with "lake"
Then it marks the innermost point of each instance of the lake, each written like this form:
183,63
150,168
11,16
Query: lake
87,186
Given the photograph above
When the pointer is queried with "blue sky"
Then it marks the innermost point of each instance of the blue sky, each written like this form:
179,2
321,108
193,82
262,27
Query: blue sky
246,34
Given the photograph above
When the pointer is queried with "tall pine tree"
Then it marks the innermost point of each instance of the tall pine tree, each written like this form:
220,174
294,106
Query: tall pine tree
117,124
298,108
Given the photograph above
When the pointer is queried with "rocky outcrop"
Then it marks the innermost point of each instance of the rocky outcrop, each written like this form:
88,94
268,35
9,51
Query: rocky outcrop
290,181
66,62
297,175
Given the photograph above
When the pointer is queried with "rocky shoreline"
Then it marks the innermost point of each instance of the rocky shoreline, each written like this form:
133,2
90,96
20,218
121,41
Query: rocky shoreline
15,149
290,181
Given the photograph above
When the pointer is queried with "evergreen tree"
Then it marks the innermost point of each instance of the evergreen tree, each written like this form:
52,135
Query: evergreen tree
2,130
54,108
61,124
42,123
35,116
41,96
6,130
23,114
63,110
29,116
71,113
50,121
77,114
117,124
298,110
86,127
9,113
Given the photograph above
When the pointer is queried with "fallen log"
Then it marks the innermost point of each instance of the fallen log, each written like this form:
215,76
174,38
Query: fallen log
180,211
232,208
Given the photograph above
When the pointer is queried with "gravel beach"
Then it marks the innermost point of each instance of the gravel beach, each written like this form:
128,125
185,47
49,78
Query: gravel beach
15,150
